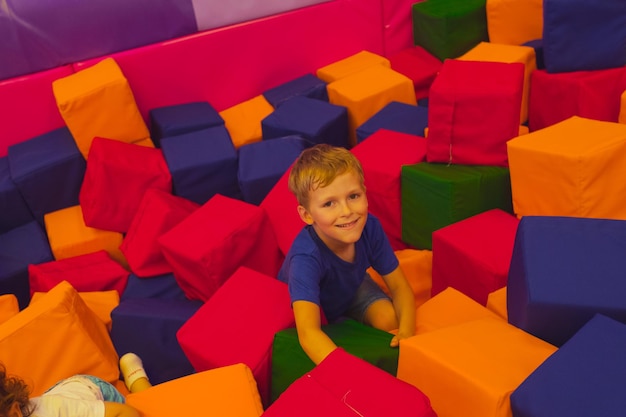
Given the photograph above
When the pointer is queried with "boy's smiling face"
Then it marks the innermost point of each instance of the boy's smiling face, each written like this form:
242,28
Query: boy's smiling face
338,212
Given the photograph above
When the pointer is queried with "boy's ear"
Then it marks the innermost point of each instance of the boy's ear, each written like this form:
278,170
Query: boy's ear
305,215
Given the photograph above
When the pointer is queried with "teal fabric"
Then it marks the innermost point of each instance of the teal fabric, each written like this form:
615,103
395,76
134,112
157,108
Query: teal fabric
289,362
436,195
449,28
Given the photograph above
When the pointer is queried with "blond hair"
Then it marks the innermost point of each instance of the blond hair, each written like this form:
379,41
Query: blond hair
318,166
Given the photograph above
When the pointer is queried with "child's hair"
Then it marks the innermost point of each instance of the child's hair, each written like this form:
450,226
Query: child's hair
13,389
318,166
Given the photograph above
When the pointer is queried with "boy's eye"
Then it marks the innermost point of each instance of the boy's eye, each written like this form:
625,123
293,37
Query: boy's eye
354,196
327,204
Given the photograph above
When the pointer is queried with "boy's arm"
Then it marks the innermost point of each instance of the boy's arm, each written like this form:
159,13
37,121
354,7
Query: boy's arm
403,302
315,343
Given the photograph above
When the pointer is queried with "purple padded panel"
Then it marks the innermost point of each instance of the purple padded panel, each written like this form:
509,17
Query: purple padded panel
43,34
15,211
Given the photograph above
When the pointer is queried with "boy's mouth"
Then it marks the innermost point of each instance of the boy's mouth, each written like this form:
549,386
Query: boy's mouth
347,225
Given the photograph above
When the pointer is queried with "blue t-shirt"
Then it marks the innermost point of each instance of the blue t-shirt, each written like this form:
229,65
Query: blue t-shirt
314,273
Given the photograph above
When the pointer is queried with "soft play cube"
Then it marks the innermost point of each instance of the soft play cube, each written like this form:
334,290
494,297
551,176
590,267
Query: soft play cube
473,255
243,120
470,369
69,236
349,65
98,102
366,92
261,164
244,314
8,307
514,22
396,116
496,302
437,195
48,170
202,163
419,65
114,186
579,35
279,206
177,119
21,246
205,249
590,94
76,341
493,52
448,308
100,302
473,110
229,391
15,211
417,266
315,120
158,286
622,109
94,271
289,362
563,271
572,168
382,171
449,28
582,378
147,327
537,45
307,85
157,213
345,385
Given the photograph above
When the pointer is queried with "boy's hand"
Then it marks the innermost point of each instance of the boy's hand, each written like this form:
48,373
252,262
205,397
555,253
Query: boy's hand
395,341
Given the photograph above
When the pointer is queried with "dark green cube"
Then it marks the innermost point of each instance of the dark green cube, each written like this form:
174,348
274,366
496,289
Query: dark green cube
437,195
289,362
449,28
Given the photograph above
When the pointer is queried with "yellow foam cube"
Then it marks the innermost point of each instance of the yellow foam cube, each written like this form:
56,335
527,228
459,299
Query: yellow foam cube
573,168
508,54
228,391
243,120
349,65
69,236
514,22
470,369
57,337
366,92
98,102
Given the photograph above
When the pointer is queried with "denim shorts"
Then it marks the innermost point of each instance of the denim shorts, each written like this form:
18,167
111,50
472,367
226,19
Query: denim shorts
365,295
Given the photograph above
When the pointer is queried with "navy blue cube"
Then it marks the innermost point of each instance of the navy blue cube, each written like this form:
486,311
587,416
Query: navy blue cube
20,247
147,327
14,210
315,120
261,164
396,116
563,271
307,85
160,286
48,170
584,377
202,163
537,45
177,119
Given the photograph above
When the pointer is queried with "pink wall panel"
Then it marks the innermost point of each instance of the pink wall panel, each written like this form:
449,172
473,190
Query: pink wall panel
28,108
230,65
